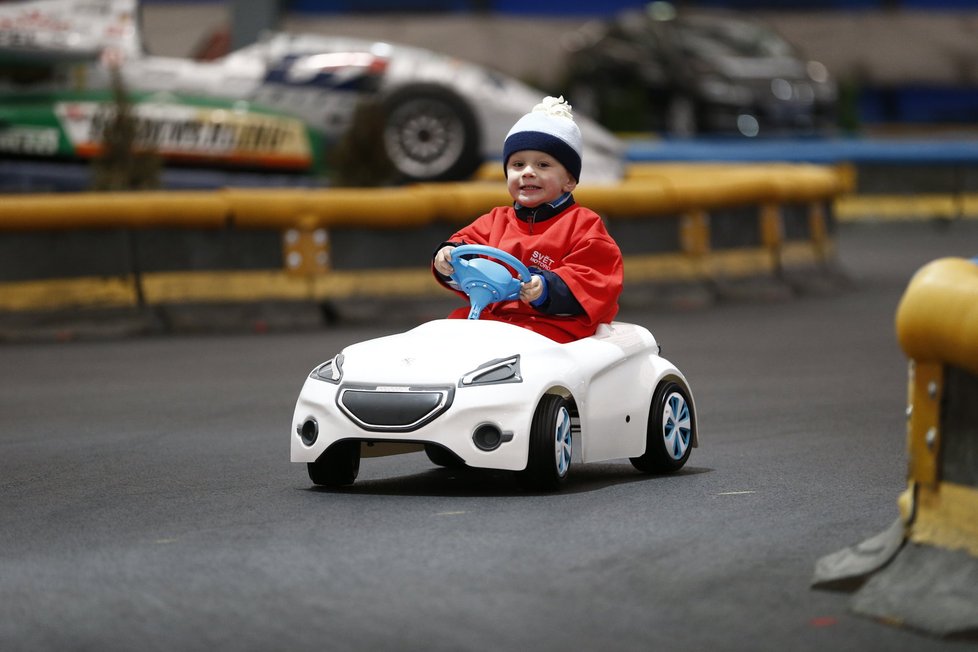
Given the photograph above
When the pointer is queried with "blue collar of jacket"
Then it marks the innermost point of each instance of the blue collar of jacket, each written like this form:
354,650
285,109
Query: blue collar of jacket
544,212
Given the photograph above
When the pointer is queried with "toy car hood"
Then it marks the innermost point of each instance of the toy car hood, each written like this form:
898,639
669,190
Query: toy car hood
439,350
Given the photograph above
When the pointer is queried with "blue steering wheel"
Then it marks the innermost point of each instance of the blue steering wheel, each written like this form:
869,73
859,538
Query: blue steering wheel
484,280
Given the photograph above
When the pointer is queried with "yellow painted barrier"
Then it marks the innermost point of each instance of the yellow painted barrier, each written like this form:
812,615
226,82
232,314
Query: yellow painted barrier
693,194
667,189
73,211
937,326
374,207
921,571
937,320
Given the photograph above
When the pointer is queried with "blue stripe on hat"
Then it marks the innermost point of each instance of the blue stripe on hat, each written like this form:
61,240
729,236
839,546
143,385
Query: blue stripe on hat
543,142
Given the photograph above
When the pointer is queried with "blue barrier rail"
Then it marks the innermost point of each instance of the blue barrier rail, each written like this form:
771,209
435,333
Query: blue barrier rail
828,151
37,176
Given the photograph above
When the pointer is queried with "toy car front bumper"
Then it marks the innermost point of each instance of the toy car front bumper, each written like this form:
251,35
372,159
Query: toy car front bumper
459,426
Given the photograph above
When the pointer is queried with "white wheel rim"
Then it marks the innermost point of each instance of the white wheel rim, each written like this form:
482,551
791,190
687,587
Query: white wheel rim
424,138
563,441
677,425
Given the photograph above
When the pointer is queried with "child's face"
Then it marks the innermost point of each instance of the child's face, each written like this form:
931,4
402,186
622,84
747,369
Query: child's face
534,178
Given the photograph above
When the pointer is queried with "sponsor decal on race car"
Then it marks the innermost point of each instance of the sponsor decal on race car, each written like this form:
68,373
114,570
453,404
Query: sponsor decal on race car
22,28
353,71
191,132
32,141
79,27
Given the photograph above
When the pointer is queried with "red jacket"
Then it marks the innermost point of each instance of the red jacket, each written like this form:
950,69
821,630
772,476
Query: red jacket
573,244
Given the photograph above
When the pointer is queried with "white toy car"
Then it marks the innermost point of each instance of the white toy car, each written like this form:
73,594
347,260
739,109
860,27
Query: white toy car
492,395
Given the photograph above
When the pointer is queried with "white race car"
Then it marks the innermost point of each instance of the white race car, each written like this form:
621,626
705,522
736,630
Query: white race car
492,395
284,103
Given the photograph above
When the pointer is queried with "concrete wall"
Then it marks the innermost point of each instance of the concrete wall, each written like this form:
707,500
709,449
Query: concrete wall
874,47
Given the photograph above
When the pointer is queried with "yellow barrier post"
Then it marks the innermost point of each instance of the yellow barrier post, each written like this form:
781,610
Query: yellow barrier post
772,234
694,238
818,230
306,248
923,572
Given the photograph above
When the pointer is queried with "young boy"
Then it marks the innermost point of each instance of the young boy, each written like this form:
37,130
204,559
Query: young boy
576,266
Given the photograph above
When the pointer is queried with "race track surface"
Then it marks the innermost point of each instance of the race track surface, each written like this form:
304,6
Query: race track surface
148,501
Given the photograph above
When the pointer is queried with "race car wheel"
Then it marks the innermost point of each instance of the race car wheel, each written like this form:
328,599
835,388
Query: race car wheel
551,445
338,466
430,134
669,437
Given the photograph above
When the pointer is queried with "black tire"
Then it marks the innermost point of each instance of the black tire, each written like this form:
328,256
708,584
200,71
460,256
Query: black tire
671,430
338,466
442,456
550,447
431,134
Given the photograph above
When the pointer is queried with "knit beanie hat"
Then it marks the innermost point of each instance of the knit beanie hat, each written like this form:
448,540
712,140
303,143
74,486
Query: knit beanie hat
549,128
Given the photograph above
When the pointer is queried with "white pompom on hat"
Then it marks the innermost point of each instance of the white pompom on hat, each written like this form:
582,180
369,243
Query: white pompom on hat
549,128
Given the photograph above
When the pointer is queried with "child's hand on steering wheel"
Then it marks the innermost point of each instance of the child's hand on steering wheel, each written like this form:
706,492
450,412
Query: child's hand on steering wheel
443,259
531,290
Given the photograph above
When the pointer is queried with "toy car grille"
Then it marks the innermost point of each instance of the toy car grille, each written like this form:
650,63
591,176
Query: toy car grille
394,408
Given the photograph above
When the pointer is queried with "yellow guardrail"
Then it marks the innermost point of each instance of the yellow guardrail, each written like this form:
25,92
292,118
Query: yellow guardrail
72,211
648,190
693,192
937,326
920,572
937,321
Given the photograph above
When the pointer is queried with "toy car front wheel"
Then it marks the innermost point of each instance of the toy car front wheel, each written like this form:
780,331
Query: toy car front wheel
669,437
551,445
338,466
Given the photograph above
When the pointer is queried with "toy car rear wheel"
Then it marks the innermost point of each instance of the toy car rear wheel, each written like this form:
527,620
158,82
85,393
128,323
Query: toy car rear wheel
338,466
669,437
551,445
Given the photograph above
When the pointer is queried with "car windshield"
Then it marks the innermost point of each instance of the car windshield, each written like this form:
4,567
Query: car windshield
32,75
731,38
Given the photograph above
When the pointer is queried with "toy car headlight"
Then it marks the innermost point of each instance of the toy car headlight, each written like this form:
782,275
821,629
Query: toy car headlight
331,371
503,370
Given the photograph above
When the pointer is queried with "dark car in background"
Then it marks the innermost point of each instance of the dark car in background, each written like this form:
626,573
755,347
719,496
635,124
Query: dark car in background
683,73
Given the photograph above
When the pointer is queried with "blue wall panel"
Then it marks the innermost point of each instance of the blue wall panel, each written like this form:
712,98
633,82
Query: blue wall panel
590,7
587,7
